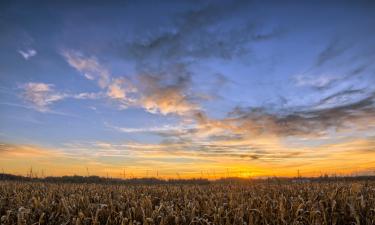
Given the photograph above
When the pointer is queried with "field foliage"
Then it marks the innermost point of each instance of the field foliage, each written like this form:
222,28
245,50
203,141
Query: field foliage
240,204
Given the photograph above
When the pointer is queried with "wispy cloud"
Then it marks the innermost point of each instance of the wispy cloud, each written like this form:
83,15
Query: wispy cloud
160,129
316,81
204,26
14,150
28,53
357,113
88,66
117,89
333,50
87,95
41,95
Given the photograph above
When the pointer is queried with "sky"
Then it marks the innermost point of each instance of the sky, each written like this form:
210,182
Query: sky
187,88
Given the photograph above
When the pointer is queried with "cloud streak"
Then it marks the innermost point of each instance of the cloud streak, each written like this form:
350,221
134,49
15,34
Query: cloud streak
314,120
89,67
40,96
13,150
28,53
333,50
160,129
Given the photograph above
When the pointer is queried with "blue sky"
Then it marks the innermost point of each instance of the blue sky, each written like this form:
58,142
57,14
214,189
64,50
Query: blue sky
200,84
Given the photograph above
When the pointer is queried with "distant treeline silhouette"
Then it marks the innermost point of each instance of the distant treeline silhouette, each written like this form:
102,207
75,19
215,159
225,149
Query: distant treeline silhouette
103,180
198,181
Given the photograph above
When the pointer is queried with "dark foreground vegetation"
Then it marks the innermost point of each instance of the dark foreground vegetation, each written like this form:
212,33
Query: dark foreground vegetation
238,203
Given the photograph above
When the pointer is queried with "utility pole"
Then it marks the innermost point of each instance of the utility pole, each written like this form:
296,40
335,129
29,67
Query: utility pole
31,172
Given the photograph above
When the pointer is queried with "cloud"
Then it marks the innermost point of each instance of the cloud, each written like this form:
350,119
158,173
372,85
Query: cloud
88,95
160,129
41,95
15,150
164,51
246,132
19,158
358,113
118,89
88,66
28,53
164,92
342,97
115,90
317,82
167,100
342,112
167,93
202,32
216,150
265,154
329,81
261,157
333,50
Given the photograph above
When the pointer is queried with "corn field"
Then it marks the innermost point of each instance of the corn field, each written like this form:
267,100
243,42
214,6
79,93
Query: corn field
239,204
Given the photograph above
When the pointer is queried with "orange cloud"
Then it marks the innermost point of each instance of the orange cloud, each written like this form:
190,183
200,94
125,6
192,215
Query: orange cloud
9,151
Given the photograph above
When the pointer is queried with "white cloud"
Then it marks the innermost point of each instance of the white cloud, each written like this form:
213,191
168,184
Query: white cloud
89,77
88,95
28,53
315,81
41,95
159,129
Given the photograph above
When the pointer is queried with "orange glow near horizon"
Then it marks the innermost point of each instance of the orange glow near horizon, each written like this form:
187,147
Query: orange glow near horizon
19,159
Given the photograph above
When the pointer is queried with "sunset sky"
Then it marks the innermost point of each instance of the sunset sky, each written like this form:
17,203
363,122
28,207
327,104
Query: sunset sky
187,88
